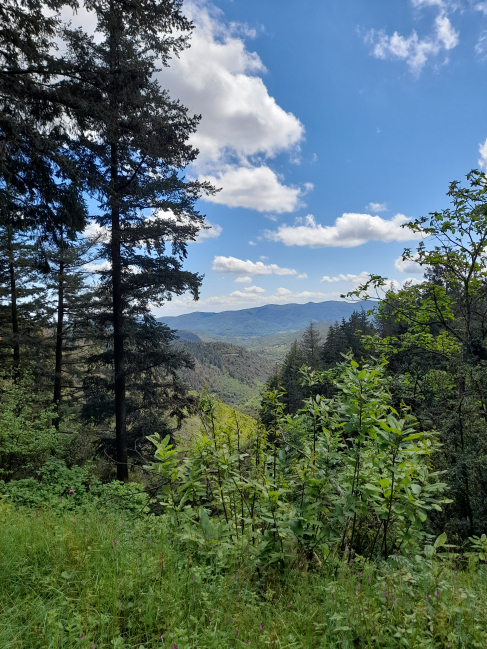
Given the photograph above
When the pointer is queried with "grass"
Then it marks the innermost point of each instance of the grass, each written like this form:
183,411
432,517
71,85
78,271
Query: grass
94,579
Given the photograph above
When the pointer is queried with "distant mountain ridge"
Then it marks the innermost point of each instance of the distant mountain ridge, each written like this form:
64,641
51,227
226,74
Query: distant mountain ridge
263,321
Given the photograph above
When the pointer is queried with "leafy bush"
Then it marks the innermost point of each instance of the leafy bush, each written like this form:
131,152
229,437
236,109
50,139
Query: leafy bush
346,476
27,433
70,489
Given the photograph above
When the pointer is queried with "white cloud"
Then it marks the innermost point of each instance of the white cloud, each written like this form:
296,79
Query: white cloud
256,188
481,46
414,50
483,154
303,276
254,289
408,266
428,3
376,207
356,279
95,231
95,268
241,267
212,232
349,231
244,280
481,6
252,243
241,125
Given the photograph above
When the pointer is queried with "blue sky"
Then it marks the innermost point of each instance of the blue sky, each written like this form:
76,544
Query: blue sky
327,125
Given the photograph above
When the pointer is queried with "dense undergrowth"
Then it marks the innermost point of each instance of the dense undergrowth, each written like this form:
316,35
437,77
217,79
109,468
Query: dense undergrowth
91,578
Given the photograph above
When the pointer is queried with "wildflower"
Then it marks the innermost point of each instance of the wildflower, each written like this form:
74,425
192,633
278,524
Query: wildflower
356,586
234,579
59,498
150,540
236,634
209,619
212,611
392,596
385,594
114,542
123,526
341,639
71,491
229,621
348,597
437,593
247,641
427,596
160,635
261,626
333,600
360,611
368,578
82,636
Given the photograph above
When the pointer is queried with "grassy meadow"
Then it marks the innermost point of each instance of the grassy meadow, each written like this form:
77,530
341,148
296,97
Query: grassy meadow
91,579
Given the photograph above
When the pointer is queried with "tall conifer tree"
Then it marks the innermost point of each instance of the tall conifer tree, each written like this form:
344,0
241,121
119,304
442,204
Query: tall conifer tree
138,139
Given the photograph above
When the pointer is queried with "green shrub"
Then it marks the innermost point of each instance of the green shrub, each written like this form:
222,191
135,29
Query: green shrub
348,475
27,433
69,489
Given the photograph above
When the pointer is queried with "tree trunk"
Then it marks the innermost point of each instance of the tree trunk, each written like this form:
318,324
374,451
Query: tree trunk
13,294
59,337
118,350
118,346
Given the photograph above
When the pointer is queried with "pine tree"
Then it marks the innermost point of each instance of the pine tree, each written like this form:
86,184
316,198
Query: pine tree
138,138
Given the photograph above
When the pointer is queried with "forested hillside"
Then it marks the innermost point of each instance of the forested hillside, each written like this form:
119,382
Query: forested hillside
236,375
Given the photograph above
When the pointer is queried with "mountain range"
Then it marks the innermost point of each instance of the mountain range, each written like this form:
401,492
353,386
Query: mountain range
262,321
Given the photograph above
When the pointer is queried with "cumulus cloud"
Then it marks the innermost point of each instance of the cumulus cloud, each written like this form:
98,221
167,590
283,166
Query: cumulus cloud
415,51
244,280
254,289
241,267
303,276
256,188
95,268
356,279
483,155
242,126
408,265
212,232
95,231
349,231
376,207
